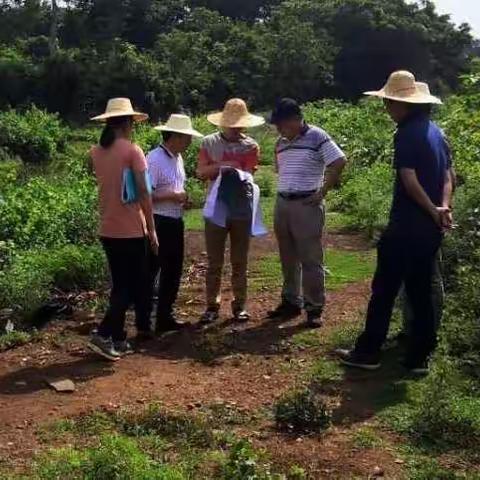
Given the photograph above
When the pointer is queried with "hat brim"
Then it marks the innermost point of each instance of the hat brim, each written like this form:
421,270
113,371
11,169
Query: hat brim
248,121
192,132
137,116
418,98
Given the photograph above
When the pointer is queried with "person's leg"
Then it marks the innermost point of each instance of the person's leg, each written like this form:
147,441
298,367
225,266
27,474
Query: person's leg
386,283
438,298
140,284
418,285
113,324
307,225
172,244
291,268
240,233
215,238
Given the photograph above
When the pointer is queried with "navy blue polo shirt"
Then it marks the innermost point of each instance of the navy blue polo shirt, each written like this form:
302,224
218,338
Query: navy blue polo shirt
420,145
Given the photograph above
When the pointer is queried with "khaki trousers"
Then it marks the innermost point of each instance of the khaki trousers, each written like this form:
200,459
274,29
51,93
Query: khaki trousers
239,232
299,229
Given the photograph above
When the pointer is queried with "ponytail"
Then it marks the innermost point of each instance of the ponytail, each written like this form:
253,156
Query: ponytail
108,136
109,133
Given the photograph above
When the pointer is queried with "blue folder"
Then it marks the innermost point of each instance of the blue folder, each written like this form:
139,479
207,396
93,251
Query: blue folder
129,186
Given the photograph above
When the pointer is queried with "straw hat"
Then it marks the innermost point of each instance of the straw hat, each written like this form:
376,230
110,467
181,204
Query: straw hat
120,107
402,87
235,115
179,124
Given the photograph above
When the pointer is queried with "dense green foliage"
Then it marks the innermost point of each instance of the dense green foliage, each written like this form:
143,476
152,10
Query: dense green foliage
166,54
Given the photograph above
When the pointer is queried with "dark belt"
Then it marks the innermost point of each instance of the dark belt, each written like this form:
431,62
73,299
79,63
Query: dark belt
296,195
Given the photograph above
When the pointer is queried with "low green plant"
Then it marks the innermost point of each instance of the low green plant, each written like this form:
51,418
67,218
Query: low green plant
114,458
34,135
15,339
30,277
366,438
243,462
301,412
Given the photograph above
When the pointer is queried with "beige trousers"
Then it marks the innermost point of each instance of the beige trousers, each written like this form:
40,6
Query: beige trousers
299,230
239,232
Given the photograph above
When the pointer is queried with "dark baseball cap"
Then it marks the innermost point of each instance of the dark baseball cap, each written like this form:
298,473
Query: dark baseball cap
285,109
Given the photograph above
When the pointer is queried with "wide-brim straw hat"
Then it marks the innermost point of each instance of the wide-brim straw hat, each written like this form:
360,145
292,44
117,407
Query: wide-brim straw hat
179,124
120,107
235,115
402,87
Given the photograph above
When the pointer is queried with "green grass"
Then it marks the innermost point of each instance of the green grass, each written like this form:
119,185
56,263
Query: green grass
15,339
366,438
150,444
344,268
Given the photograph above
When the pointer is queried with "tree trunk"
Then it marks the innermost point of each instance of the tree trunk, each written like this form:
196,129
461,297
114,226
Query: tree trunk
53,40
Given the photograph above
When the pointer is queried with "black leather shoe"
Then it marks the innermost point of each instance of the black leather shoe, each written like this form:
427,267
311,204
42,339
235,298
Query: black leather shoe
170,325
285,311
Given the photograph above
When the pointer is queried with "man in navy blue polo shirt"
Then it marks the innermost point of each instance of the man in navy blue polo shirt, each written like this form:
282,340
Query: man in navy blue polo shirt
419,216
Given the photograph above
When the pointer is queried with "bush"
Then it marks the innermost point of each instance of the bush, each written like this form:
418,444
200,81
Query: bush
29,279
301,412
265,179
244,462
46,213
35,136
366,198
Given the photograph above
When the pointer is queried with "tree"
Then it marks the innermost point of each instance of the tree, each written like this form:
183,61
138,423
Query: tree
238,9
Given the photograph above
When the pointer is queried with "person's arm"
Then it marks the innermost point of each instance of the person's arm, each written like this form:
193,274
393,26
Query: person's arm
332,175
139,167
448,190
207,169
169,196
416,192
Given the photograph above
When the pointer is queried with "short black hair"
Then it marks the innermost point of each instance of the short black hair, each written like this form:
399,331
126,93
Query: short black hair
286,109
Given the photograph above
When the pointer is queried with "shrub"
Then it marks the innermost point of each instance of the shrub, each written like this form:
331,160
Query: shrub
366,198
28,280
265,179
45,213
301,412
244,462
196,192
35,136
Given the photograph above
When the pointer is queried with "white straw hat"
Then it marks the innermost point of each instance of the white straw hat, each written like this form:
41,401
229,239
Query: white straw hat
235,115
179,124
120,107
402,87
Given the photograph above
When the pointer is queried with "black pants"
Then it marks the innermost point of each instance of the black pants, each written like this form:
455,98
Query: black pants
128,262
170,233
409,260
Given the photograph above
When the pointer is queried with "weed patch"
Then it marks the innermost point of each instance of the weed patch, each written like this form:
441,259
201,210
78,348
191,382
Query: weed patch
301,412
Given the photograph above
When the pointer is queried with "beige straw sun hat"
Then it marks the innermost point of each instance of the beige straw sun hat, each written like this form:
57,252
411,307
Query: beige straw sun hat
402,87
235,115
179,124
120,107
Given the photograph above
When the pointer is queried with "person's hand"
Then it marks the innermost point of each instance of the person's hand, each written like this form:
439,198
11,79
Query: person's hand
315,200
441,216
152,237
180,197
447,220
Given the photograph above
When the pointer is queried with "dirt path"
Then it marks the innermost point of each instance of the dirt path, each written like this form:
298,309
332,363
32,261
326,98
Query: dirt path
170,371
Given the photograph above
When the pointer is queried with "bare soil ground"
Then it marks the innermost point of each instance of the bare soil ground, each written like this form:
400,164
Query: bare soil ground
250,365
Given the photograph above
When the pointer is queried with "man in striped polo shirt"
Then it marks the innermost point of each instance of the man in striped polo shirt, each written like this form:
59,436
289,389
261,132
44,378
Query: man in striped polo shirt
309,163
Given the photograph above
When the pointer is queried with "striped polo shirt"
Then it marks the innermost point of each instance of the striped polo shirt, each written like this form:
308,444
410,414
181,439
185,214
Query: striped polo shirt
167,174
301,162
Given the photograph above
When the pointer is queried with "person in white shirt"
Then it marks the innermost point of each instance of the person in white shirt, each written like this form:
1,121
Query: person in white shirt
167,174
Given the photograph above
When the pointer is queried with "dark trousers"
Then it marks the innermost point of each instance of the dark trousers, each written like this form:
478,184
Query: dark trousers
170,233
409,260
128,262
